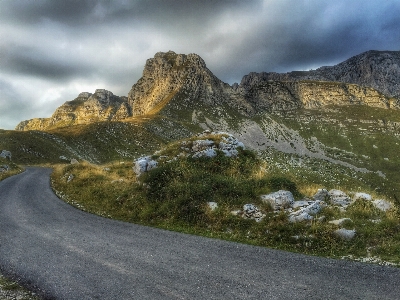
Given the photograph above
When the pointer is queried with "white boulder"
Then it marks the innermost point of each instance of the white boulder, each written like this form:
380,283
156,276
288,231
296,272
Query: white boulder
212,205
279,200
345,234
362,196
144,164
5,154
299,216
383,205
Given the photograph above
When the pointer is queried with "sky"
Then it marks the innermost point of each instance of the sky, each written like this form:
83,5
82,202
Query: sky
51,50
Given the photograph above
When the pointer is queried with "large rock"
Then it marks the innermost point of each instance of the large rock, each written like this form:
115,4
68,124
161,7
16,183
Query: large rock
340,198
321,195
305,213
144,164
279,200
5,154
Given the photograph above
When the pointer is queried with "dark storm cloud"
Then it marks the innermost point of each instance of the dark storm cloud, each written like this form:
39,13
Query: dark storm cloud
66,47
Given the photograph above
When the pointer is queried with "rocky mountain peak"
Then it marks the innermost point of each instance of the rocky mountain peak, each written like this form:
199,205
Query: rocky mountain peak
169,74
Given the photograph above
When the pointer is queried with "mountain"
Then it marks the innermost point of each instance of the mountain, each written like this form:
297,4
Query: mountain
376,69
185,79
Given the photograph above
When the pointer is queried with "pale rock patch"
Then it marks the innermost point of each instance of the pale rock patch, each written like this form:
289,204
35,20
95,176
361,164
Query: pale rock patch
144,164
345,234
340,222
337,197
362,196
383,205
279,200
212,205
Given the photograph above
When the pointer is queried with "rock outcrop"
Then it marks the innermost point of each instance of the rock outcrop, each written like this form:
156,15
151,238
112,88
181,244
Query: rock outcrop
87,108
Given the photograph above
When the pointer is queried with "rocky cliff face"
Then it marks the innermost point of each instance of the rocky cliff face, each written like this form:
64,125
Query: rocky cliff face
377,69
186,79
103,105
169,74
289,95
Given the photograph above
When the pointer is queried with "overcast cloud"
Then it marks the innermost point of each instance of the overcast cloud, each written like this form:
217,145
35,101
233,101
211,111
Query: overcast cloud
51,50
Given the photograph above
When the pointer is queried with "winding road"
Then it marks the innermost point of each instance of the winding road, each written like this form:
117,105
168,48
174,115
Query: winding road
64,253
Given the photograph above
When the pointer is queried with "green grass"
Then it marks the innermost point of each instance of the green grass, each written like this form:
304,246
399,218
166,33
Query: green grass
13,168
174,196
15,291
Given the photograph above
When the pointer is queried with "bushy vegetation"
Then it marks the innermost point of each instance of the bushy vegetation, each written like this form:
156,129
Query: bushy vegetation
175,195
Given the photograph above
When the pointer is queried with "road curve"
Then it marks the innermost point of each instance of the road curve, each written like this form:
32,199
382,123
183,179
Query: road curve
64,253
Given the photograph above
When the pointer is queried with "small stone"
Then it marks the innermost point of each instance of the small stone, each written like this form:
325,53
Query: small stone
70,177
278,200
339,222
362,196
212,205
345,234
381,204
74,161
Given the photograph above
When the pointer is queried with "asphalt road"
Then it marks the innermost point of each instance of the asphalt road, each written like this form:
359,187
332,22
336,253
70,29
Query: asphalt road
64,253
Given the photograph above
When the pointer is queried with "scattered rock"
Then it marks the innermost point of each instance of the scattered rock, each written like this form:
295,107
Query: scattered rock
212,205
74,161
321,195
383,205
200,145
337,197
205,153
345,234
4,168
63,157
279,200
362,196
339,222
70,177
5,154
299,216
250,211
143,164
305,213
301,203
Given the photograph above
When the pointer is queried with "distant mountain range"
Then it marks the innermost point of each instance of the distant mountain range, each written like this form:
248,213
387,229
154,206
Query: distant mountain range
371,78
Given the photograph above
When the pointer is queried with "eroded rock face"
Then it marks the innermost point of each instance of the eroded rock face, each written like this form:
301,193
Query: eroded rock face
87,108
379,70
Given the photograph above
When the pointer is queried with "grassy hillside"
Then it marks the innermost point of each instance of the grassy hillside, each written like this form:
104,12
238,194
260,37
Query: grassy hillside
175,196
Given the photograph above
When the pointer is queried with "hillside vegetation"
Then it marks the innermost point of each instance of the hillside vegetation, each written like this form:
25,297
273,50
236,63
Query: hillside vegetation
176,195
